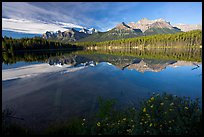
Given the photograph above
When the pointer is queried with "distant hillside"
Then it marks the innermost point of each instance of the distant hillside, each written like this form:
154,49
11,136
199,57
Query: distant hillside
119,32
191,38
131,30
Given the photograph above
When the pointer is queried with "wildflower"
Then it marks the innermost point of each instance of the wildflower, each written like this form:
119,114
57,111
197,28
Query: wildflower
144,110
152,98
170,109
84,119
128,130
169,121
152,106
172,104
82,124
160,125
133,126
145,122
161,104
98,124
131,120
150,124
124,119
140,123
186,108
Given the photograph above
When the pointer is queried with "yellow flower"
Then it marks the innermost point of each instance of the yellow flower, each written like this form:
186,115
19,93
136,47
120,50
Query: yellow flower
98,124
133,125
186,108
160,125
128,130
150,124
152,98
144,110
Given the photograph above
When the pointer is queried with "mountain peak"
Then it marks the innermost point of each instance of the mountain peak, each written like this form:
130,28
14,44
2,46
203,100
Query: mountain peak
144,21
122,26
160,19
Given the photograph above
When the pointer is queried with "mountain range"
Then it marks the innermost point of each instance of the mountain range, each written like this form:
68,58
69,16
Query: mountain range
143,27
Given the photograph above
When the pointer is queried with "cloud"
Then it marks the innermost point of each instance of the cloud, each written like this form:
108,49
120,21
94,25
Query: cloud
34,27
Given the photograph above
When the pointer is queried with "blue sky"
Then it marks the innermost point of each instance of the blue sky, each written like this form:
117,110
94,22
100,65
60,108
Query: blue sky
41,16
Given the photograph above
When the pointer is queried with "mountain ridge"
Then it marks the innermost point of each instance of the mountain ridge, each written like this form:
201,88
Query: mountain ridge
122,30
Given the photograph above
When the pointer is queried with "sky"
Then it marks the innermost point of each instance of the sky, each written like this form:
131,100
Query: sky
39,17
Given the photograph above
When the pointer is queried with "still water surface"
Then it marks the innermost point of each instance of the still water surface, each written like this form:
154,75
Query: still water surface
82,77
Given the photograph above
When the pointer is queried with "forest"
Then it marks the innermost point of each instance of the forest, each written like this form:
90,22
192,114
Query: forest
191,38
36,43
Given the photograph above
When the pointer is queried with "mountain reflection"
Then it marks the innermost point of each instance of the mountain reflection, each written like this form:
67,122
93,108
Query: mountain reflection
138,64
153,60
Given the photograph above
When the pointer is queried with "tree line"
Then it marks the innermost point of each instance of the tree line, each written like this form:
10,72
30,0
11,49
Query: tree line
191,38
36,43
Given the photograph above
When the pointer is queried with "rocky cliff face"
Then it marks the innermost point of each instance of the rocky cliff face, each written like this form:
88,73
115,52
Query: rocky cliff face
145,24
68,35
186,27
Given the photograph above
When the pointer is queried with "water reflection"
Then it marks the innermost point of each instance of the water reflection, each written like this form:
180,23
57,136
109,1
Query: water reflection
186,54
121,62
127,78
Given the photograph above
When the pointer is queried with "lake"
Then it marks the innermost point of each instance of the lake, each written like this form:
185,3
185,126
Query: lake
45,87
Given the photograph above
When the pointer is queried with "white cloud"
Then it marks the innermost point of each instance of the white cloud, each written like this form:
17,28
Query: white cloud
34,27
99,15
